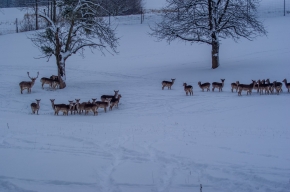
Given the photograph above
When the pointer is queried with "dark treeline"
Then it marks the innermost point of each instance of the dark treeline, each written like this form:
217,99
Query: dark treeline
111,7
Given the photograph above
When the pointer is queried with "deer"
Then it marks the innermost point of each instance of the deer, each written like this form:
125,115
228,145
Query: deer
48,81
204,86
28,84
60,107
105,97
263,87
115,102
235,86
256,87
103,104
271,88
277,87
167,84
287,85
188,89
246,87
35,106
218,85
73,107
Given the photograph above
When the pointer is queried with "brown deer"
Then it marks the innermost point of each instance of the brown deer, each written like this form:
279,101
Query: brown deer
167,84
105,97
287,85
91,107
103,104
115,102
188,89
73,108
263,87
35,106
246,87
271,85
277,87
27,84
48,81
235,86
256,87
60,107
204,86
218,85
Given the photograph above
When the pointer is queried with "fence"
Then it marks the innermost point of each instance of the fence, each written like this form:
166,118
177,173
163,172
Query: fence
270,8
267,8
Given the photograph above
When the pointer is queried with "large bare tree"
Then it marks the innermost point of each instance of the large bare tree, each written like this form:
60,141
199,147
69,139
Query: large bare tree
78,25
209,21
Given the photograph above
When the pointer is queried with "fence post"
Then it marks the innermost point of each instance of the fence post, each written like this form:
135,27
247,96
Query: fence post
16,22
200,187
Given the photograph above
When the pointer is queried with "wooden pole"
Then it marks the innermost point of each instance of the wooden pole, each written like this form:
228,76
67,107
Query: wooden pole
16,25
284,8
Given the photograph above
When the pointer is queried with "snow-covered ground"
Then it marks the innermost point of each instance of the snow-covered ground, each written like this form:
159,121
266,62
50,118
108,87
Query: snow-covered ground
157,140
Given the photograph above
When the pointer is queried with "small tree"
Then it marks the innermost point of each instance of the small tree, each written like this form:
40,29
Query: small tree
207,21
77,26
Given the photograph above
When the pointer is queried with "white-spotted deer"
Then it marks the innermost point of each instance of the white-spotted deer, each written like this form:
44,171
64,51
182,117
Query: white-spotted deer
35,106
204,86
28,84
106,97
235,86
115,102
246,87
218,85
287,85
188,89
167,84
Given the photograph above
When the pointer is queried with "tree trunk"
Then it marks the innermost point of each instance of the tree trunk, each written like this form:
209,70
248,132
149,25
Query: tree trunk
215,52
61,77
61,72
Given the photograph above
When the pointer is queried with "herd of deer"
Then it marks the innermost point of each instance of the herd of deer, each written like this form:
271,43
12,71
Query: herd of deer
262,86
53,82
107,101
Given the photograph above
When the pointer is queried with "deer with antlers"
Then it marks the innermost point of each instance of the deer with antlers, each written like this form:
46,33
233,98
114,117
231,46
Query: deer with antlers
35,106
27,84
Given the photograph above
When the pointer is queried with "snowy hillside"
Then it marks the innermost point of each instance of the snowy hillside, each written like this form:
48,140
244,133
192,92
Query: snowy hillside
157,140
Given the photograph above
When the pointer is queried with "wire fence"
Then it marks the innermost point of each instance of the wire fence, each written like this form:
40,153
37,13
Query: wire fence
267,8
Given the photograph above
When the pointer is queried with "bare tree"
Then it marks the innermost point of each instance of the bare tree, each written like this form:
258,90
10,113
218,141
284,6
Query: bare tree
77,26
208,21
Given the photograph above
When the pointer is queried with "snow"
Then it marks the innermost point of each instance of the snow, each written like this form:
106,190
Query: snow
157,140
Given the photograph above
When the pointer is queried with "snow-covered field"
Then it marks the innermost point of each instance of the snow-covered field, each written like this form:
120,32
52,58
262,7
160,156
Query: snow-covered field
157,140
